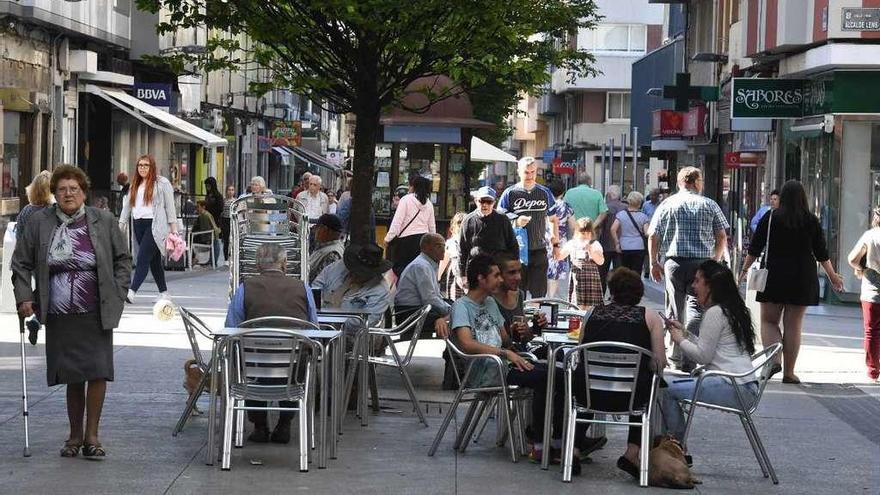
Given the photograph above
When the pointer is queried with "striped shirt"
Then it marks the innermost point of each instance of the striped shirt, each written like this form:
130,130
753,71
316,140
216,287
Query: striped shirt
686,224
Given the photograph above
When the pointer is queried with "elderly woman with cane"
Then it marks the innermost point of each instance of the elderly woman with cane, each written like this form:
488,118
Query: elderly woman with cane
82,266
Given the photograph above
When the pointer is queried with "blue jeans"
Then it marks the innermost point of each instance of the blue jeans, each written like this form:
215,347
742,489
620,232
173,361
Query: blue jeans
715,390
149,257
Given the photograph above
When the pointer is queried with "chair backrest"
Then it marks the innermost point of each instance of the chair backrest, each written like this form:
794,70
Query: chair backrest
267,357
762,362
193,325
562,303
414,322
609,367
278,322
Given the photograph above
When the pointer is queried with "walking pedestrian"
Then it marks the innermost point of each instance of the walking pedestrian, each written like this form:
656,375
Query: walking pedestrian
449,270
628,231
213,200
865,260
651,202
586,258
686,229
82,266
484,231
226,220
795,242
150,208
313,199
772,205
586,201
39,196
414,216
533,205
612,252
559,271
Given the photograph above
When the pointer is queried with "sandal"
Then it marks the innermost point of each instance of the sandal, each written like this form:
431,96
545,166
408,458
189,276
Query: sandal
70,449
93,450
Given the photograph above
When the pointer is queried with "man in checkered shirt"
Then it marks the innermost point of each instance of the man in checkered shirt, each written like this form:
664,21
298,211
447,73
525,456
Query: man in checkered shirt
686,230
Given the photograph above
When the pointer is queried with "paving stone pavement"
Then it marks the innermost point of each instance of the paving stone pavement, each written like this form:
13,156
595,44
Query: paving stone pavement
822,436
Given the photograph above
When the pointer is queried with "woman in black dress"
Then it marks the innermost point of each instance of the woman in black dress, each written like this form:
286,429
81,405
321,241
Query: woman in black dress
796,244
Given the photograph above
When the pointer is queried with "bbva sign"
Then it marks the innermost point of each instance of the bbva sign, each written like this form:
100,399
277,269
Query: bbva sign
156,94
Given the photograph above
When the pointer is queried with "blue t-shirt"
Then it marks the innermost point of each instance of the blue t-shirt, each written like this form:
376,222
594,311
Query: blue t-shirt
485,321
537,204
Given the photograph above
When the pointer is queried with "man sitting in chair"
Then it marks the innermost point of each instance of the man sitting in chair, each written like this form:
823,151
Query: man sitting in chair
328,245
270,293
356,283
418,284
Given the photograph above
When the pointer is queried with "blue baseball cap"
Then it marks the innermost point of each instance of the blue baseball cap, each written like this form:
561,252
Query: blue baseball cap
485,192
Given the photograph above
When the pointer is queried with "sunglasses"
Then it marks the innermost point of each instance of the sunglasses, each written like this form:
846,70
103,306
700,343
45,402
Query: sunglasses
486,201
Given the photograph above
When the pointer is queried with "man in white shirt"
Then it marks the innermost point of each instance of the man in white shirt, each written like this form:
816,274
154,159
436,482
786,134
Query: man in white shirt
418,285
315,201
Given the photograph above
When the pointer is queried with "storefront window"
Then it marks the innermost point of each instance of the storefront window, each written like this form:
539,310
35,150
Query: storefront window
457,194
820,174
12,154
424,160
382,190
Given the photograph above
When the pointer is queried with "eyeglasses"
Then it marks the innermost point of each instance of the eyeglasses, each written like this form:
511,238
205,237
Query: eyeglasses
143,165
486,201
68,190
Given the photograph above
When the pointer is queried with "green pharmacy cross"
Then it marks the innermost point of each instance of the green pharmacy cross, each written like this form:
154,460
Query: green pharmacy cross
682,92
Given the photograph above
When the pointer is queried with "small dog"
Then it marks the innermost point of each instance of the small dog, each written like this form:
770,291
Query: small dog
667,468
192,375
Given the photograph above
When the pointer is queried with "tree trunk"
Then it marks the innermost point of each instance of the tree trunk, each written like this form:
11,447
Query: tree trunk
366,135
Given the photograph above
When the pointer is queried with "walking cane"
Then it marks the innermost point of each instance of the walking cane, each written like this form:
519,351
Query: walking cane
24,399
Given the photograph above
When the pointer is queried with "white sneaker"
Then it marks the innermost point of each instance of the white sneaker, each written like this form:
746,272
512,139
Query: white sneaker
164,295
130,297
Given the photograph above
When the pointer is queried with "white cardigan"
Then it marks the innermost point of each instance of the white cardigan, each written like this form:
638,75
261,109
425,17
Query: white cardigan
163,210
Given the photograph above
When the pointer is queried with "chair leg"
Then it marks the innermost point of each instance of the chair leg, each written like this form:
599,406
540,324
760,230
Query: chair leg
484,420
239,428
471,426
408,385
755,450
445,424
351,373
519,429
191,404
500,425
567,446
761,449
645,448
303,414
505,400
465,422
374,389
228,421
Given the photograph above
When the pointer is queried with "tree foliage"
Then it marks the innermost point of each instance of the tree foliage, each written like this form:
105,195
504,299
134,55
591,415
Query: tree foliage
360,55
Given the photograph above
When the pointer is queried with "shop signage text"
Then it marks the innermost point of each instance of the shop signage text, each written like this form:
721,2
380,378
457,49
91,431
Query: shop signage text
858,19
768,98
666,123
287,133
736,159
158,95
566,164
696,122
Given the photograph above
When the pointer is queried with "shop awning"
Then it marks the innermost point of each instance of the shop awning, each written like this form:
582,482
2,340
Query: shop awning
314,159
281,150
481,151
156,118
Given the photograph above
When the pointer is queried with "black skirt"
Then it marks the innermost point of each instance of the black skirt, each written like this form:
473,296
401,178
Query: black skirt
78,349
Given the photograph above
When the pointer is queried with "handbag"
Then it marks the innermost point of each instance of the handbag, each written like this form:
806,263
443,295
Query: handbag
642,234
390,246
757,276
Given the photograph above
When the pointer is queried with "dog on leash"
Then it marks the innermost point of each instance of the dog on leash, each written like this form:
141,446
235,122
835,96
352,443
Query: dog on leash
668,468
192,375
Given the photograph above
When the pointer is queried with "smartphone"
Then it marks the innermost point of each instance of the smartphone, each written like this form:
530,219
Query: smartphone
550,312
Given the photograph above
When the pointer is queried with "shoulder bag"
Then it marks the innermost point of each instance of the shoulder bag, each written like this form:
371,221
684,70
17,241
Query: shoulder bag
391,245
757,277
638,229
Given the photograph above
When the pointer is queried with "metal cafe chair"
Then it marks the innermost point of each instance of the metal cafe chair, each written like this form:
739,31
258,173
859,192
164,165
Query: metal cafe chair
255,355
414,325
608,367
194,327
481,399
562,303
763,363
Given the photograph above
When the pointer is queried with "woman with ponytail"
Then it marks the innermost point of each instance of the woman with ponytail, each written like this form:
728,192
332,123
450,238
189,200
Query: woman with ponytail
726,343
149,206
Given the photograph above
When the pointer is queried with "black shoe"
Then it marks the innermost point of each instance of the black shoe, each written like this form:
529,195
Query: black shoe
259,435
588,445
628,467
281,434
775,369
576,466
689,460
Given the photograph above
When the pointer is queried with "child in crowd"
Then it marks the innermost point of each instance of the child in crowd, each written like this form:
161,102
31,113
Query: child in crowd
586,258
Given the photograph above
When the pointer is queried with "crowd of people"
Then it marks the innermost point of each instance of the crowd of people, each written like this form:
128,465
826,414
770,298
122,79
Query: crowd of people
578,245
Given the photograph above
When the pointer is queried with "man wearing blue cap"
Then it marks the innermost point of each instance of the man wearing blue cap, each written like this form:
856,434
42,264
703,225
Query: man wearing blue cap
484,230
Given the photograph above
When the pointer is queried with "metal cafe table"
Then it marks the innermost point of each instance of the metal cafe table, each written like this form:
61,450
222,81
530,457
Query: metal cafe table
333,352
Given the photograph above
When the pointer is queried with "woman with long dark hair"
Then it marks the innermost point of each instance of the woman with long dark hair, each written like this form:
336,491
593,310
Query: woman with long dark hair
726,343
795,242
413,218
213,199
150,207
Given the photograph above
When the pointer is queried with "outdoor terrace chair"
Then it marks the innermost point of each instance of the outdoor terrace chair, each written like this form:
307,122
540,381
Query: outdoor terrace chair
413,324
194,248
511,397
763,363
608,367
268,353
194,327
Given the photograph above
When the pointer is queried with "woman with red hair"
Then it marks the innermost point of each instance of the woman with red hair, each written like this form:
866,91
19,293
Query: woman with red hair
149,206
